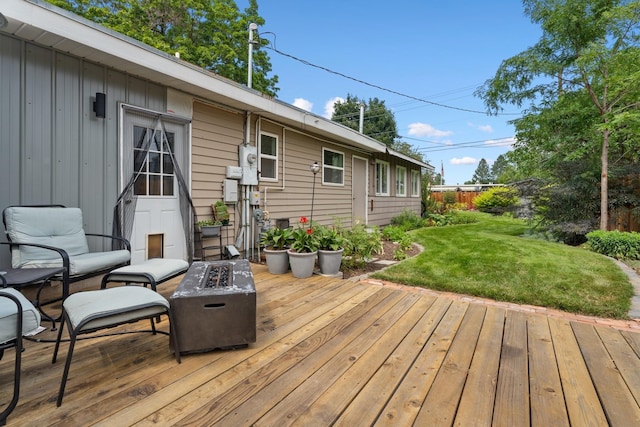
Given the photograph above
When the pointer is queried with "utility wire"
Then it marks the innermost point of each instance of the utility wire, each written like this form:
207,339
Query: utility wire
382,88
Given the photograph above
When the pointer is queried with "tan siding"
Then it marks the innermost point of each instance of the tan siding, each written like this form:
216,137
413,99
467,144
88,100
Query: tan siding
216,136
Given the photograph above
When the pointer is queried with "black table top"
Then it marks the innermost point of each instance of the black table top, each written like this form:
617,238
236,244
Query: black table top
26,276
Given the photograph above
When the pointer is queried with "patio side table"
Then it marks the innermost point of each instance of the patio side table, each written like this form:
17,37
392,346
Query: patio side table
19,277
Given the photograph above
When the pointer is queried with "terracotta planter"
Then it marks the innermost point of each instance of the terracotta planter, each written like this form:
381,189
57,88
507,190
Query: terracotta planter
330,261
277,261
302,263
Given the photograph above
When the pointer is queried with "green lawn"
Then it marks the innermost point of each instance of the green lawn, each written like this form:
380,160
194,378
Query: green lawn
491,259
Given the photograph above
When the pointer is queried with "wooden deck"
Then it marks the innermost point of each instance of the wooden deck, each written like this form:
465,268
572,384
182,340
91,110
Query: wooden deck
339,352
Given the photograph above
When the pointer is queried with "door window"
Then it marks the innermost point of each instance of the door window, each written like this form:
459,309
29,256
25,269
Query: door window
156,172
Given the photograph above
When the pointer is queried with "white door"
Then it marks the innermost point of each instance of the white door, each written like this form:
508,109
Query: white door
359,188
157,222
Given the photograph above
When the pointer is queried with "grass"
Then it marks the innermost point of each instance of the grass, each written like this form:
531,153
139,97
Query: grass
491,259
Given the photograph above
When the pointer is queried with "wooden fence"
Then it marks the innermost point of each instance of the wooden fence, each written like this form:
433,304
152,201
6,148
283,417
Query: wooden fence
620,219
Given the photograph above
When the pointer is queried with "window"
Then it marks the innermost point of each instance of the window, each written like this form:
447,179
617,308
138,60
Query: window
268,157
156,175
382,178
401,181
415,183
332,167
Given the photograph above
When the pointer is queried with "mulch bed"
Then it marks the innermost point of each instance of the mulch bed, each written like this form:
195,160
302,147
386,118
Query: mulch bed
370,267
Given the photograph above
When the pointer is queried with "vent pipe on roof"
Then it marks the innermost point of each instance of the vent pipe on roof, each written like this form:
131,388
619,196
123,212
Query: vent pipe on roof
361,117
252,27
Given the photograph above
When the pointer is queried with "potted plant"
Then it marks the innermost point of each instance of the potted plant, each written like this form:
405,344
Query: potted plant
330,248
303,251
220,212
210,227
275,242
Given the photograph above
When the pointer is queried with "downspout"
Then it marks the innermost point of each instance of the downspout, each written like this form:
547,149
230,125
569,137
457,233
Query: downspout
247,192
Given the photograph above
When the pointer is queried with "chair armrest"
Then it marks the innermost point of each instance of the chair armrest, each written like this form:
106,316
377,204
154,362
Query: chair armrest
124,241
63,254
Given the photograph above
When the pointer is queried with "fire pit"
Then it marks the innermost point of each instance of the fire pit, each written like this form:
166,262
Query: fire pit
214,306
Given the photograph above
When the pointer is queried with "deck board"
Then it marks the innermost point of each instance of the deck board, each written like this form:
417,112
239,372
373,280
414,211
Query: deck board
341,352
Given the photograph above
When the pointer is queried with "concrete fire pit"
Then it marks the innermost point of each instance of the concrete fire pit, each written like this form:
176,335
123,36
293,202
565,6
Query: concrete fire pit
214,306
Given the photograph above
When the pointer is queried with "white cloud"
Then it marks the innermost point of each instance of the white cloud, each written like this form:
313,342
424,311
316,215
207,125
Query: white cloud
423,129
485,128
504,142
303,103
463,161
329,106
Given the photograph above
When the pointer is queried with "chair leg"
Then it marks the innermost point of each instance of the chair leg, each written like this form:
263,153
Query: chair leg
57,346
67,365
16,382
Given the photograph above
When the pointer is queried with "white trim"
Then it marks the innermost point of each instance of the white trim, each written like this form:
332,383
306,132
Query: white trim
388,172
414,174
342,169
404,181
269,157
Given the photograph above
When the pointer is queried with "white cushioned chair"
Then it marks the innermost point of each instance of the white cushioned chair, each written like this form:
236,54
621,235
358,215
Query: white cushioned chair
18,317
54,236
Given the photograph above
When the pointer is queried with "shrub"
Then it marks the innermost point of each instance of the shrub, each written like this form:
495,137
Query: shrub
393,233
360,246
450,197
616,244
497,200
408,220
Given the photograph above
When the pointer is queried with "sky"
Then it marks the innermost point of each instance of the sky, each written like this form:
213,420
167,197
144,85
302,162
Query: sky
402,52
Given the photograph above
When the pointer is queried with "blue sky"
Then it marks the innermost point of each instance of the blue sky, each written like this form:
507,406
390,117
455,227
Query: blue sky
440,51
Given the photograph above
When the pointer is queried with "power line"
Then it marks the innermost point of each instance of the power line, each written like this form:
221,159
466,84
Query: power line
305,62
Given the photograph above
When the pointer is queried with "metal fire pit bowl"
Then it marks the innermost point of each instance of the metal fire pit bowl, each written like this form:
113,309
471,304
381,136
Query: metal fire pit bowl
214,306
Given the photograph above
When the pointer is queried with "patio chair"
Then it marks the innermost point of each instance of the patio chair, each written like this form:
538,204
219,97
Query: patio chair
18,317
53,236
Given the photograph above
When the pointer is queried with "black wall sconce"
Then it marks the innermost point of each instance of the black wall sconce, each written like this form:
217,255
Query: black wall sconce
99,105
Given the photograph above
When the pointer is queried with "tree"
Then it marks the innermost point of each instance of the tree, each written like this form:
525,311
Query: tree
378,123
482,175
212,34
589,51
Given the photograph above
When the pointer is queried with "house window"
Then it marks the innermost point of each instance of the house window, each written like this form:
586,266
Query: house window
154,168
382,178
415,183
401,181
332,167
268,157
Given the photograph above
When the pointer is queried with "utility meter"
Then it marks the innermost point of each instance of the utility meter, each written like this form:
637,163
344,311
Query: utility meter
248,156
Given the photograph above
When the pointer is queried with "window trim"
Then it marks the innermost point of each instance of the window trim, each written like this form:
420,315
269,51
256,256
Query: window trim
387,168
415,183
341,169
269,157
401,171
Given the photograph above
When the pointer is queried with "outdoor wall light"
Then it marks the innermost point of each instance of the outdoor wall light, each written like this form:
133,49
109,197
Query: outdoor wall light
99,105
315,168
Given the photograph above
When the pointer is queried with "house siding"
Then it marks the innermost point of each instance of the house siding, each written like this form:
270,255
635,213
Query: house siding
382,208
54,149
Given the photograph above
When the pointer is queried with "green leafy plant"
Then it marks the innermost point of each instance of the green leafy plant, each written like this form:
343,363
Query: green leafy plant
330,238
361,245
497,200
408,220
209,223
276,238
616,244
304,240
393,233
